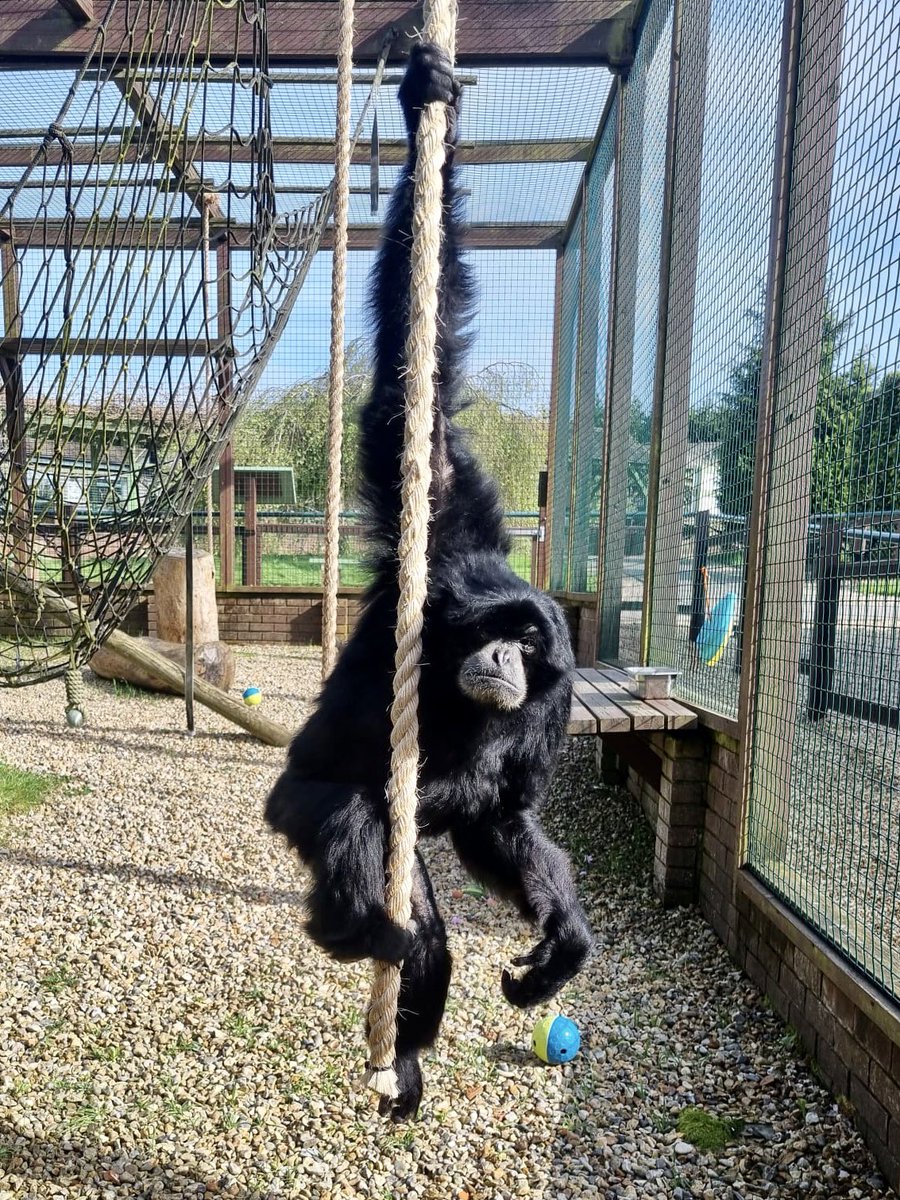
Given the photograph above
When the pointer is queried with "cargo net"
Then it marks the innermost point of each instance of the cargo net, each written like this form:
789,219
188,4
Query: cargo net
132,333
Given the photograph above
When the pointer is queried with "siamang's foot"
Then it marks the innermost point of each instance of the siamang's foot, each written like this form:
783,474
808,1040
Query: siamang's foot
552,962
406,1104
372,935
429,77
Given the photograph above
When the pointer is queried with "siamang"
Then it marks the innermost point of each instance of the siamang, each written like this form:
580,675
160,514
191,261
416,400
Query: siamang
495,686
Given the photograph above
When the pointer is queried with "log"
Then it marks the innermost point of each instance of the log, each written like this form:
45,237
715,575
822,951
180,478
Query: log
169,595
250,719
213,661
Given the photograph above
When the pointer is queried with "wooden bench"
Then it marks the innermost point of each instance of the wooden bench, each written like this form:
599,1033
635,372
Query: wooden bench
603,704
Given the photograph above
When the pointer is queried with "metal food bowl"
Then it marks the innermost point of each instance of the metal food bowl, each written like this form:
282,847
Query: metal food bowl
652,683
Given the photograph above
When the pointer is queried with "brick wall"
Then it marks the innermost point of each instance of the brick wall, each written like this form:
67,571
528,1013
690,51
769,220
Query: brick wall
581,612
264,615
845,1024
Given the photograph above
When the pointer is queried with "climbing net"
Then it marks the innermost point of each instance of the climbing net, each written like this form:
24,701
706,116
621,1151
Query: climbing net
146,275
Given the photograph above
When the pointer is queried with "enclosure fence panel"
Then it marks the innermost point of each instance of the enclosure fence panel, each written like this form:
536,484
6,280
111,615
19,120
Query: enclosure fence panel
285,423
591,358
641,165
564,427
727,98
823,806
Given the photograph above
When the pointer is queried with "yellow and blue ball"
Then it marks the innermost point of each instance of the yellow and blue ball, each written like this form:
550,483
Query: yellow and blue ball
555,1039
252,696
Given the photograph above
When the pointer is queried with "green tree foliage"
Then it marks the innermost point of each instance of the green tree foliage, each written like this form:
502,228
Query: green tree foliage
842,400
877,448
507,426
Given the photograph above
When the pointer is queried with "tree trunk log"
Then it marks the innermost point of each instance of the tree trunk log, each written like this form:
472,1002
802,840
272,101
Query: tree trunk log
169,594
213,661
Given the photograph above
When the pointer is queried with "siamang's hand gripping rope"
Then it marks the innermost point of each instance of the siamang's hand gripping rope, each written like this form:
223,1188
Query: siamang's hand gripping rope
421,358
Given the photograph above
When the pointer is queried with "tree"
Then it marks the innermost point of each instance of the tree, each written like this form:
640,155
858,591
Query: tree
506,423
876,453
840,399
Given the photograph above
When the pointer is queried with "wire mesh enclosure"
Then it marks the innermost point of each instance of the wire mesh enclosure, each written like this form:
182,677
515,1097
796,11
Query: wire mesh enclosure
824,781
748,428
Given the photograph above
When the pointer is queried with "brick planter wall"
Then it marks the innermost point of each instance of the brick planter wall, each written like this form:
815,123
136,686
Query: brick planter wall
264,615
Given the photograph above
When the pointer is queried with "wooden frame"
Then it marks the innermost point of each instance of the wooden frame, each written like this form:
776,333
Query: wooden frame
565,31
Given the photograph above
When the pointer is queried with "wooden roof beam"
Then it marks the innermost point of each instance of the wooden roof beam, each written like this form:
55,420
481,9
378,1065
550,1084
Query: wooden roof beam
167,142
123,234
598,32
303,151
79,10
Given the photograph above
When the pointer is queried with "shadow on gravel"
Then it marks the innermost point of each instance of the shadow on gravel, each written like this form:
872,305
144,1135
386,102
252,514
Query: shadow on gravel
38,1162
183,881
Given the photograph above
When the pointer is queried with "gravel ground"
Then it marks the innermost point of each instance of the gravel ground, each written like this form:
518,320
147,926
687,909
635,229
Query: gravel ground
166,1030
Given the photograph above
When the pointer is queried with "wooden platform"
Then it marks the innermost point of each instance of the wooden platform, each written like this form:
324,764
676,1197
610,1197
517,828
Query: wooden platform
602,704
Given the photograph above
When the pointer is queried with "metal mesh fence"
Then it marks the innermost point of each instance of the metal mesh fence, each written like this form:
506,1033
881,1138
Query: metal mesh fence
591,361
824,793
642,157
564,418
730,57
285,423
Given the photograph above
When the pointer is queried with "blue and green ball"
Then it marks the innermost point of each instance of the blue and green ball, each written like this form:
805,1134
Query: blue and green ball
555,1039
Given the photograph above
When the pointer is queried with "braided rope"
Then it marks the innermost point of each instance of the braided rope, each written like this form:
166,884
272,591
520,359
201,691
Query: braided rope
75,695
421,357
331,580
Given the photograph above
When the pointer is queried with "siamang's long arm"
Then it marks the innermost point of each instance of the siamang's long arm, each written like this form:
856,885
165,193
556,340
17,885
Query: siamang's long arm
515,858
465,502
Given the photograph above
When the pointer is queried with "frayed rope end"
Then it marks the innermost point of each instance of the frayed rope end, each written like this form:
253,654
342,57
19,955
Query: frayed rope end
382,1080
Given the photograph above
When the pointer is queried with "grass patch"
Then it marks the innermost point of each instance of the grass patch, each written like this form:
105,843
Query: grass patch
21,791
708,1133
889,586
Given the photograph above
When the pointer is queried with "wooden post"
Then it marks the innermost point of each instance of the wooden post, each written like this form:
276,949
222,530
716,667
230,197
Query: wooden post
825,621
550,531
698,591
225,385
792,347
675,332
18,534
250,566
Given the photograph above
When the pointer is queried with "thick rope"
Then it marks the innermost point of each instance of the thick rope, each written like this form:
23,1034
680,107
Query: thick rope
331,580
421,357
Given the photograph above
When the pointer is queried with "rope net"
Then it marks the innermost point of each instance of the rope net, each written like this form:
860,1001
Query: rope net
145,275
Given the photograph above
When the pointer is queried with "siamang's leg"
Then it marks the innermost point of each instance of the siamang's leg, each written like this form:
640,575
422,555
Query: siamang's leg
424,980
341,836
515,858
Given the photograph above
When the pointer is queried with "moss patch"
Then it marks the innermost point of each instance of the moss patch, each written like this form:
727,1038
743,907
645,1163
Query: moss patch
706,1132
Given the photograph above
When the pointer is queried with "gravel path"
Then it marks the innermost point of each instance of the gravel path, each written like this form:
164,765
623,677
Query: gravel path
166,1030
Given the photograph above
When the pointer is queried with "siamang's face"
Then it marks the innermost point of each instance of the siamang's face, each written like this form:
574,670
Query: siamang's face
496,674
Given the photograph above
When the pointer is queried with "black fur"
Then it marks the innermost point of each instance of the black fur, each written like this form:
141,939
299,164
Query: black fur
485,772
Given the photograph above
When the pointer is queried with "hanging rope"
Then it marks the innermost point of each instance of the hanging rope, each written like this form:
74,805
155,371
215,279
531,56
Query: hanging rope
331,580
421,357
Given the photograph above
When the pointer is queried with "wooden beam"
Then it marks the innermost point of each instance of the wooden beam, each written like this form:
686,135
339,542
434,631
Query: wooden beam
294,150
158,236
79,10
18,347
594,32
169,146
